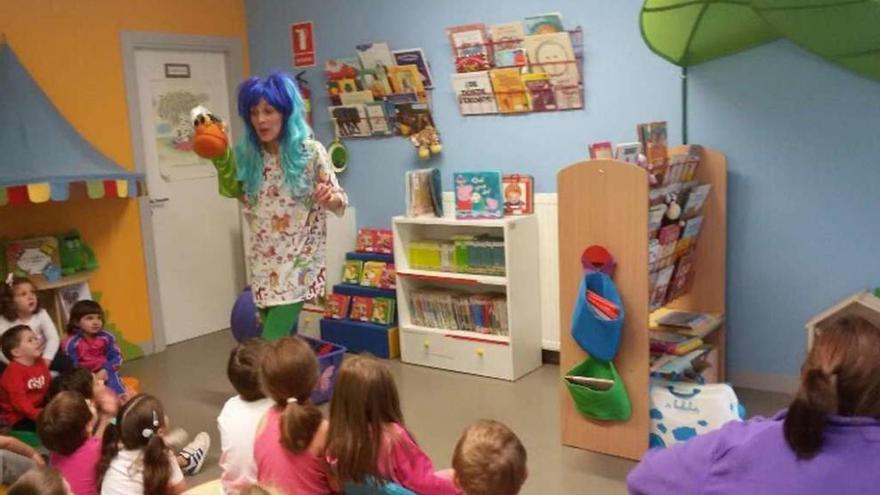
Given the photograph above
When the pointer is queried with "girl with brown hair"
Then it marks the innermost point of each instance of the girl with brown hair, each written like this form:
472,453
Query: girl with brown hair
828,441
368,442
134,457
289,447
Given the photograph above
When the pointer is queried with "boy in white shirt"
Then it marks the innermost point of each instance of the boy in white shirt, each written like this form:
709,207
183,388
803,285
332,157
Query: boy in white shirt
240,416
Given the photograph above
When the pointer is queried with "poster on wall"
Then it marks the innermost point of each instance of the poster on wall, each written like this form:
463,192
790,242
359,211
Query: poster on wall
172,100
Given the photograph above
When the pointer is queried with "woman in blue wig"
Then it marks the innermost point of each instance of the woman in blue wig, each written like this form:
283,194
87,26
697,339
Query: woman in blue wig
284,178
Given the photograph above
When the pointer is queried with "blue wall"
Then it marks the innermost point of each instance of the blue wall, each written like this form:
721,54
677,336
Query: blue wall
801,137
625,84
803,143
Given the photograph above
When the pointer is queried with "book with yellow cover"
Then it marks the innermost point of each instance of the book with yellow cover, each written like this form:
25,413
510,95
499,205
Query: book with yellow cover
407,79
510,93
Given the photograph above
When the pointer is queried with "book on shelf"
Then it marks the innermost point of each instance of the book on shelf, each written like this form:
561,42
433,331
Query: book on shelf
375,54
372,273
682,277
689,235
539,90
389,277
519,194
352,271
447,310
377,118
337,306
407,79
655,218
628,152
688,365
553,54
351,120
543,23
470,47
361,308
423,193
478,195
652,135
473,91
356,97
695,324
673,343
696,199
510,93
601,151
383,311
507,44
659,285
415,56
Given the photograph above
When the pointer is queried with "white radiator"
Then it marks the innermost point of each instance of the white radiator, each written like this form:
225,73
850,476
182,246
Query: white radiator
548,264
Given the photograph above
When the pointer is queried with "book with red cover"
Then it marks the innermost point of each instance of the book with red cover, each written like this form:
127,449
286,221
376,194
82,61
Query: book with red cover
337,306
361,308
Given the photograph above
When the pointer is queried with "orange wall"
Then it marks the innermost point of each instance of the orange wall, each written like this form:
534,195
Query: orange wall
73,50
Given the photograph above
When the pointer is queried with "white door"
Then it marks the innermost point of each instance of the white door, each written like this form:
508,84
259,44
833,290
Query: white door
196,232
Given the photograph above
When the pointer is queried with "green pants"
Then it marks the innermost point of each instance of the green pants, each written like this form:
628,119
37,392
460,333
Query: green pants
280,321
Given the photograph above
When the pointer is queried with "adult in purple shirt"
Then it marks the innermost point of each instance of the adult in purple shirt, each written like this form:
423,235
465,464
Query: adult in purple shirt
827,441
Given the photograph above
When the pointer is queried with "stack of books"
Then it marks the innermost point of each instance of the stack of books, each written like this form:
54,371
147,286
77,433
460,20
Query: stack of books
677,342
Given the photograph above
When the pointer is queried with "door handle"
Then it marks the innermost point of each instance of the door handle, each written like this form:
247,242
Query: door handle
158,201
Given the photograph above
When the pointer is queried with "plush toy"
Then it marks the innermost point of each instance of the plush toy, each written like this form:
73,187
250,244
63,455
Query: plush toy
75,255
427,141
210,139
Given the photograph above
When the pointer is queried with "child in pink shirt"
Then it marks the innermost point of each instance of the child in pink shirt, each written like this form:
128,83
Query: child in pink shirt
289,447
64,427
91,347
368,442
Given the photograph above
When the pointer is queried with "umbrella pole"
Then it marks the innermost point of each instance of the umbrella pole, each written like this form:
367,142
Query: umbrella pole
684,105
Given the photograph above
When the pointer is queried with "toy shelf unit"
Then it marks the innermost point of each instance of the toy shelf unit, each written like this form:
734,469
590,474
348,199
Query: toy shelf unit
378,339
606,202
482,315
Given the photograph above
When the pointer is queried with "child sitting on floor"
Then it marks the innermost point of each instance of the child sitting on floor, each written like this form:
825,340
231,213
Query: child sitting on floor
25,382
240,416
19,306
16,458
489,459
289,447
40,481
89,346
65,428
368,441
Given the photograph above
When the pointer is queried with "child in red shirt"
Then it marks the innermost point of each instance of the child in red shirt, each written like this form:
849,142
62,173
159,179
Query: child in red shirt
25,382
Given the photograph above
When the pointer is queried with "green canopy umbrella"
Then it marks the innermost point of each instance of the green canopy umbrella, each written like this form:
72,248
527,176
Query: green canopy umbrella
689,32
844,32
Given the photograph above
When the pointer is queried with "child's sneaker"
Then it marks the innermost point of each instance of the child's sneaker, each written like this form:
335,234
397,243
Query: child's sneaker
195,453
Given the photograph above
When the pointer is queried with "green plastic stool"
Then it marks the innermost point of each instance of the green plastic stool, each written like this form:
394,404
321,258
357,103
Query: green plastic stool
605,405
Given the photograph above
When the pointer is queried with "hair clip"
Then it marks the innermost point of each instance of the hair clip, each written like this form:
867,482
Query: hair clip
292,400
112,421
9,278
147,433
155,420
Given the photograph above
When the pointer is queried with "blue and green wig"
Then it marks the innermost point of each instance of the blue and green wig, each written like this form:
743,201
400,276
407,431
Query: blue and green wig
280,91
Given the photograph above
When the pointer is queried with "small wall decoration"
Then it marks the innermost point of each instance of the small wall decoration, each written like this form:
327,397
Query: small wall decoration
383,93
526,66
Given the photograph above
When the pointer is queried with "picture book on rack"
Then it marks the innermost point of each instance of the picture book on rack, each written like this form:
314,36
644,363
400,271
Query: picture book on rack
478,195
470,47
407,79
540,92
507,44
383,311
375,54
361,308
415,56
519,194
337,306
474,93
372,273
509,90
352,271
553,54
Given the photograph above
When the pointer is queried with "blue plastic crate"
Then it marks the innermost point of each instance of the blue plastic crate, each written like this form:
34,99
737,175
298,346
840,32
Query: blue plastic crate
328,367
359,336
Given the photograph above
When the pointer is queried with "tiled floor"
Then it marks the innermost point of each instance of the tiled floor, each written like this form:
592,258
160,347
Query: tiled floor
190,378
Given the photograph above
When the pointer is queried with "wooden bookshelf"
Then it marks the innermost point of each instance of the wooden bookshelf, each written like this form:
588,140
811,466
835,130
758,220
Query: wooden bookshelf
606,202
